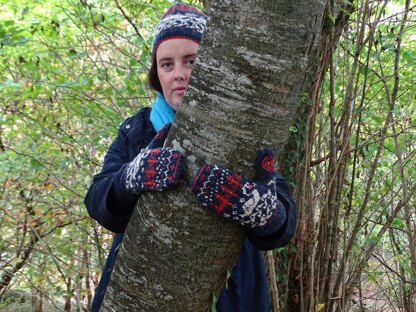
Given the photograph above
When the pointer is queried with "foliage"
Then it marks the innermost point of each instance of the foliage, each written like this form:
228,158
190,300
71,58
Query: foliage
71,71
358,173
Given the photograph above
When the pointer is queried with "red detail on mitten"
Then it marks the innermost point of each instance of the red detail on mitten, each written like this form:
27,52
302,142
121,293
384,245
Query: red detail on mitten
268,163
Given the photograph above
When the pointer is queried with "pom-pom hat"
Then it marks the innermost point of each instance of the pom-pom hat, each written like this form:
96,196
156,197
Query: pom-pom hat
180,21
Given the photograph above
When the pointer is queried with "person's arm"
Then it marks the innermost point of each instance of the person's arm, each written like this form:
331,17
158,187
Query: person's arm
106,202
114,191
264,206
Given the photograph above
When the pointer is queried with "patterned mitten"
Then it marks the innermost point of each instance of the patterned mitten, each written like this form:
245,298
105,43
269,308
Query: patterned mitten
155,168
254,204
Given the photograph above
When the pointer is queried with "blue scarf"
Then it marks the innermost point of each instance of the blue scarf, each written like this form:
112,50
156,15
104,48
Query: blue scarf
161,112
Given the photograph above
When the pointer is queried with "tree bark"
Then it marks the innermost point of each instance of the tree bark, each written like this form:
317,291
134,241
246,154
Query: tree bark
243,96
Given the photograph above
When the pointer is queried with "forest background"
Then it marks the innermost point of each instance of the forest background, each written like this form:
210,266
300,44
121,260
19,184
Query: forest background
72,71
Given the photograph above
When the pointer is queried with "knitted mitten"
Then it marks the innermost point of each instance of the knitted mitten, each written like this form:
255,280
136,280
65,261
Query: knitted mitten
153,169
254,204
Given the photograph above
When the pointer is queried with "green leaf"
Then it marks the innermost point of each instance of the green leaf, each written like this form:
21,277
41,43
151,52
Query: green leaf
35,164
388,46
332,19
58,231
214,303
372,239
226,279
399,223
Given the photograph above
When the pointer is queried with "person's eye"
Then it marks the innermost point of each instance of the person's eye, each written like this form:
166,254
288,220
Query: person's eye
166,65
190,62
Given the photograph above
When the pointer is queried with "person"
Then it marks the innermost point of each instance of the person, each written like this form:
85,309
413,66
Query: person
136,163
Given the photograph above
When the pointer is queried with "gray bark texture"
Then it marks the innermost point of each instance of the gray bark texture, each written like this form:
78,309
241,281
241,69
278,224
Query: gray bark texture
243,96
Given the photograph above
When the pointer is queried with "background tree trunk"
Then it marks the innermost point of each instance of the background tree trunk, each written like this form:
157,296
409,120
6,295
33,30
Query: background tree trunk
243,95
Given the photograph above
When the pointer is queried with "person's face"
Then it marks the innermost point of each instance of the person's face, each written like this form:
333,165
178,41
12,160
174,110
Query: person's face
174,59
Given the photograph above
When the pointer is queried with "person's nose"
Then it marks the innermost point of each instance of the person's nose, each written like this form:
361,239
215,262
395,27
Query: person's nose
181,72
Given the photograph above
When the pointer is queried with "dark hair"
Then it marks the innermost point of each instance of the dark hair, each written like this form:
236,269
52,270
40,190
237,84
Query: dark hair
153,78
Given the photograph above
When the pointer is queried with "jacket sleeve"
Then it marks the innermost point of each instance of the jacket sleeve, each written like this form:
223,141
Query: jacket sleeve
106,201
286,231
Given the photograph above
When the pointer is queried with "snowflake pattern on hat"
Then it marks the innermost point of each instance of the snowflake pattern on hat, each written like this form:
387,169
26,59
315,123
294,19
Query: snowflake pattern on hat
180,21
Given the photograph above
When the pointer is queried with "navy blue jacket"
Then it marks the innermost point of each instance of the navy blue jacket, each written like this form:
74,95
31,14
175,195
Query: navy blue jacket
105,201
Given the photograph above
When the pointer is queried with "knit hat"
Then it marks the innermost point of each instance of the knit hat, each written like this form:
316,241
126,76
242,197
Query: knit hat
180,21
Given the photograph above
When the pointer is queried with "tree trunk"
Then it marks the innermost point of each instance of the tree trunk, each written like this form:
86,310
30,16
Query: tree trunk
243,95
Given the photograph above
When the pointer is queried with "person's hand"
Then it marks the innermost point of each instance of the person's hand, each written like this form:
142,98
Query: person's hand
254,204
155,168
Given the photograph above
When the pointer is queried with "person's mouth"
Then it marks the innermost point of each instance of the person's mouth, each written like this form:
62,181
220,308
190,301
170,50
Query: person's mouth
179,91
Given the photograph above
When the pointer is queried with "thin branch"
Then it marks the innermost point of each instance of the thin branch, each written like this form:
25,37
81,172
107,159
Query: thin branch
392,270
127,17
